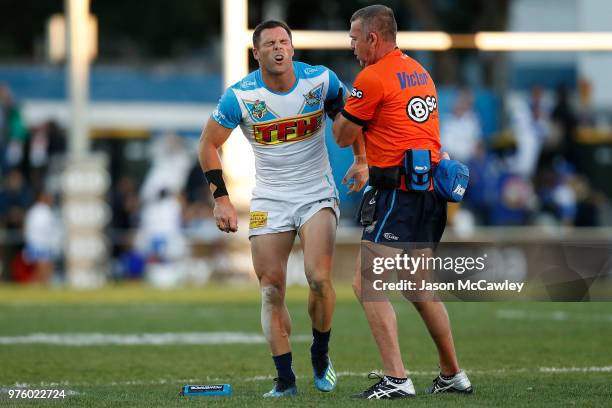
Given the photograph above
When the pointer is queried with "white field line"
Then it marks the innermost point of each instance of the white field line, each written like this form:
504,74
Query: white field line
605,369
557,315
139,339
211,380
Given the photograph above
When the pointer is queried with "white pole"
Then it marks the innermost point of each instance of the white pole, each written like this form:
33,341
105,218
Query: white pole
85,178
235,41
238,160
78,75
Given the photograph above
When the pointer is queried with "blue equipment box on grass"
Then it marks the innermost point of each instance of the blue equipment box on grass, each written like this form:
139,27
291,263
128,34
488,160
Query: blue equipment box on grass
213,390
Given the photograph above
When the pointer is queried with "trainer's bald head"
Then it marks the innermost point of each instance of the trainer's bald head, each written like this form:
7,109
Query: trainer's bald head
377,19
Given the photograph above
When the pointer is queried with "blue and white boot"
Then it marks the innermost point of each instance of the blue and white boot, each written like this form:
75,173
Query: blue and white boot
327,382
281,389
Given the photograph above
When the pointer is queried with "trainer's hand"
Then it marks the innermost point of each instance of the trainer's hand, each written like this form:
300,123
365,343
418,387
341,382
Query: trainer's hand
357,175
225,215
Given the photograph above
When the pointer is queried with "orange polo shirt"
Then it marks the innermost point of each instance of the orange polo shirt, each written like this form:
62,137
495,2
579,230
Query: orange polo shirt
396,101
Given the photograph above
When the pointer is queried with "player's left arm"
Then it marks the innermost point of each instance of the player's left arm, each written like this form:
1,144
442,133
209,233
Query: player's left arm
334,104
335,97
357,175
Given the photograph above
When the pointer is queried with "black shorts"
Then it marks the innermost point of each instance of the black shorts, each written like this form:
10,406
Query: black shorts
406,217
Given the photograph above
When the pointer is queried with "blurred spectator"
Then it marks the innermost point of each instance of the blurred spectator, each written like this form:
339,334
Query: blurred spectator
14,133
43,237
15,197
461,130
589,203
515,201
481,193
14,200
160,236
198,218
196,188
3,124
125,205
48,141
129,265
586,114
557,197
565,122
531,127
540,112
170,166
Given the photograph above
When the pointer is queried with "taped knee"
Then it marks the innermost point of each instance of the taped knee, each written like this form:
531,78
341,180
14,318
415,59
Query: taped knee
271,299
271,295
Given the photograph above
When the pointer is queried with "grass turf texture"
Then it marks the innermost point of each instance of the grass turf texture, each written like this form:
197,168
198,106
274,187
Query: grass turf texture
506,358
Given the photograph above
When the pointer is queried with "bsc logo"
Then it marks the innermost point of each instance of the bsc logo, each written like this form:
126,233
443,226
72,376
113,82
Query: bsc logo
356,93
419,109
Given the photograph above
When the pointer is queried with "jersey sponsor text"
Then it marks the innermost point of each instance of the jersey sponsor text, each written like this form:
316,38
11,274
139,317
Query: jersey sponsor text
288,129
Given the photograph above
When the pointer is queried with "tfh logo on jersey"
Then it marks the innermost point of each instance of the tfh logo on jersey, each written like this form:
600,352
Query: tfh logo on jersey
288,129
419,109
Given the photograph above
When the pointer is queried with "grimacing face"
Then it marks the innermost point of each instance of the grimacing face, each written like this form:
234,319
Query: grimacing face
274,51
359,43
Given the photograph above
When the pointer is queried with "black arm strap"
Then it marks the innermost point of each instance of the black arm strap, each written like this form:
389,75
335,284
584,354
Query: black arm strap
216,183
334,106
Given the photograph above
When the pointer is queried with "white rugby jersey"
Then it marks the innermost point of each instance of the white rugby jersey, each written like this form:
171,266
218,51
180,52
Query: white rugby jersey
286,129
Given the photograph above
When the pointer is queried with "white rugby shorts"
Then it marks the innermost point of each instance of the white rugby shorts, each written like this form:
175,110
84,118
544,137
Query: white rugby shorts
287,208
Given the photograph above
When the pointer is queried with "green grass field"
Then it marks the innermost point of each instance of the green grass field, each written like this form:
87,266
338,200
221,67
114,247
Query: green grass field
517,354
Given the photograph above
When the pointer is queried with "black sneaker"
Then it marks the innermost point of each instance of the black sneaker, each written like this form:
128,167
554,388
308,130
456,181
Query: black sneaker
460,383
386,389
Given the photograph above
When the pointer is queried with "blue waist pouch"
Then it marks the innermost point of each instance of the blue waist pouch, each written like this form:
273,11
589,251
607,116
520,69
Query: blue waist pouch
417,168
451,179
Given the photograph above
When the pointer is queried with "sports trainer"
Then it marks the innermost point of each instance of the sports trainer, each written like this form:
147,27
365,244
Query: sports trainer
281,109
394,106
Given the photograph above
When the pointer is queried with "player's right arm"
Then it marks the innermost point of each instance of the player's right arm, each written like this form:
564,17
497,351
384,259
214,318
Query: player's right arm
218,129
212,138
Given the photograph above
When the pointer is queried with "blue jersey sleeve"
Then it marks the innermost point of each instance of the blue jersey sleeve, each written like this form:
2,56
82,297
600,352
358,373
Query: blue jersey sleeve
228,113
334,85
